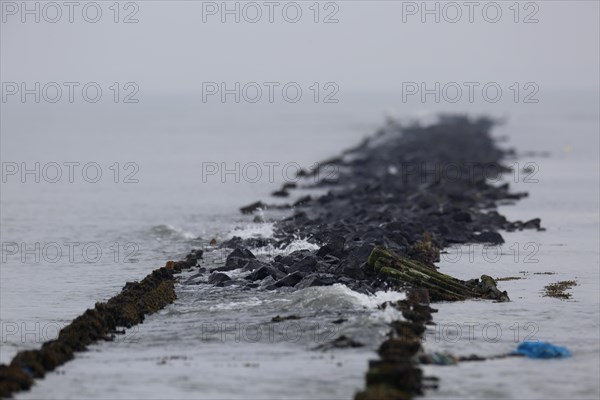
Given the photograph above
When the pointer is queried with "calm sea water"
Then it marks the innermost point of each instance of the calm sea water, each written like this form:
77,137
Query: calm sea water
190,349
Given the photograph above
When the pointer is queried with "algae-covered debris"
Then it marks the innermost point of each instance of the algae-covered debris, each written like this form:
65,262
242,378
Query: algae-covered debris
508,278
402,270
559,289
126,309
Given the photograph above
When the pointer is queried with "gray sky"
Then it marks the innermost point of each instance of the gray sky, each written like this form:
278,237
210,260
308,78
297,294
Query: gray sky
371,48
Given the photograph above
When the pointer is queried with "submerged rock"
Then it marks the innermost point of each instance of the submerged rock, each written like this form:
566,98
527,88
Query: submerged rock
489,237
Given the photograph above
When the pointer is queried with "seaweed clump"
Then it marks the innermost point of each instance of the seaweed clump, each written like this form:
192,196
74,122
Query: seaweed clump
559,289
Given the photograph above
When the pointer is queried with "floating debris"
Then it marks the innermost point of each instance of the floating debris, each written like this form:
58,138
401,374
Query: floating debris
559,289
541,350
509,278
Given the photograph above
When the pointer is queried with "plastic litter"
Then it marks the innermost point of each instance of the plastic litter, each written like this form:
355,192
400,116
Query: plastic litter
541,350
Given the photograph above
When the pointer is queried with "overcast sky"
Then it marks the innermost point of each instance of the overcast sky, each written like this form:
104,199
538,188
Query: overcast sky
374,46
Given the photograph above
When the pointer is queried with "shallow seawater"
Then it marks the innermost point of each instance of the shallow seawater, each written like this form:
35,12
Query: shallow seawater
565,197
221,343
207,344
132,228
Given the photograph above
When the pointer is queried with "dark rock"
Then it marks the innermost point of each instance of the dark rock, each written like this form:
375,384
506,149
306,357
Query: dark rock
307,264
293,258
329,259
279,266
268,283
324,267
193,280
290,280
218,277
353,265
334,247
302,201
237,241
350,269
262,272
316,280
238,258
194,256
488,237
253,264
462,217
241,253
532,224
249,209
280,193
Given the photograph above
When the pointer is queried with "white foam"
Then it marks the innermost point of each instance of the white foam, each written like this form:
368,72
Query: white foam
340,295
369,301
388,315
237,305
165,231
256,230
298,244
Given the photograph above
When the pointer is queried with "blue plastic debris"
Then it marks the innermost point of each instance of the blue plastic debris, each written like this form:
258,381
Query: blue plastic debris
442,359
541,350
